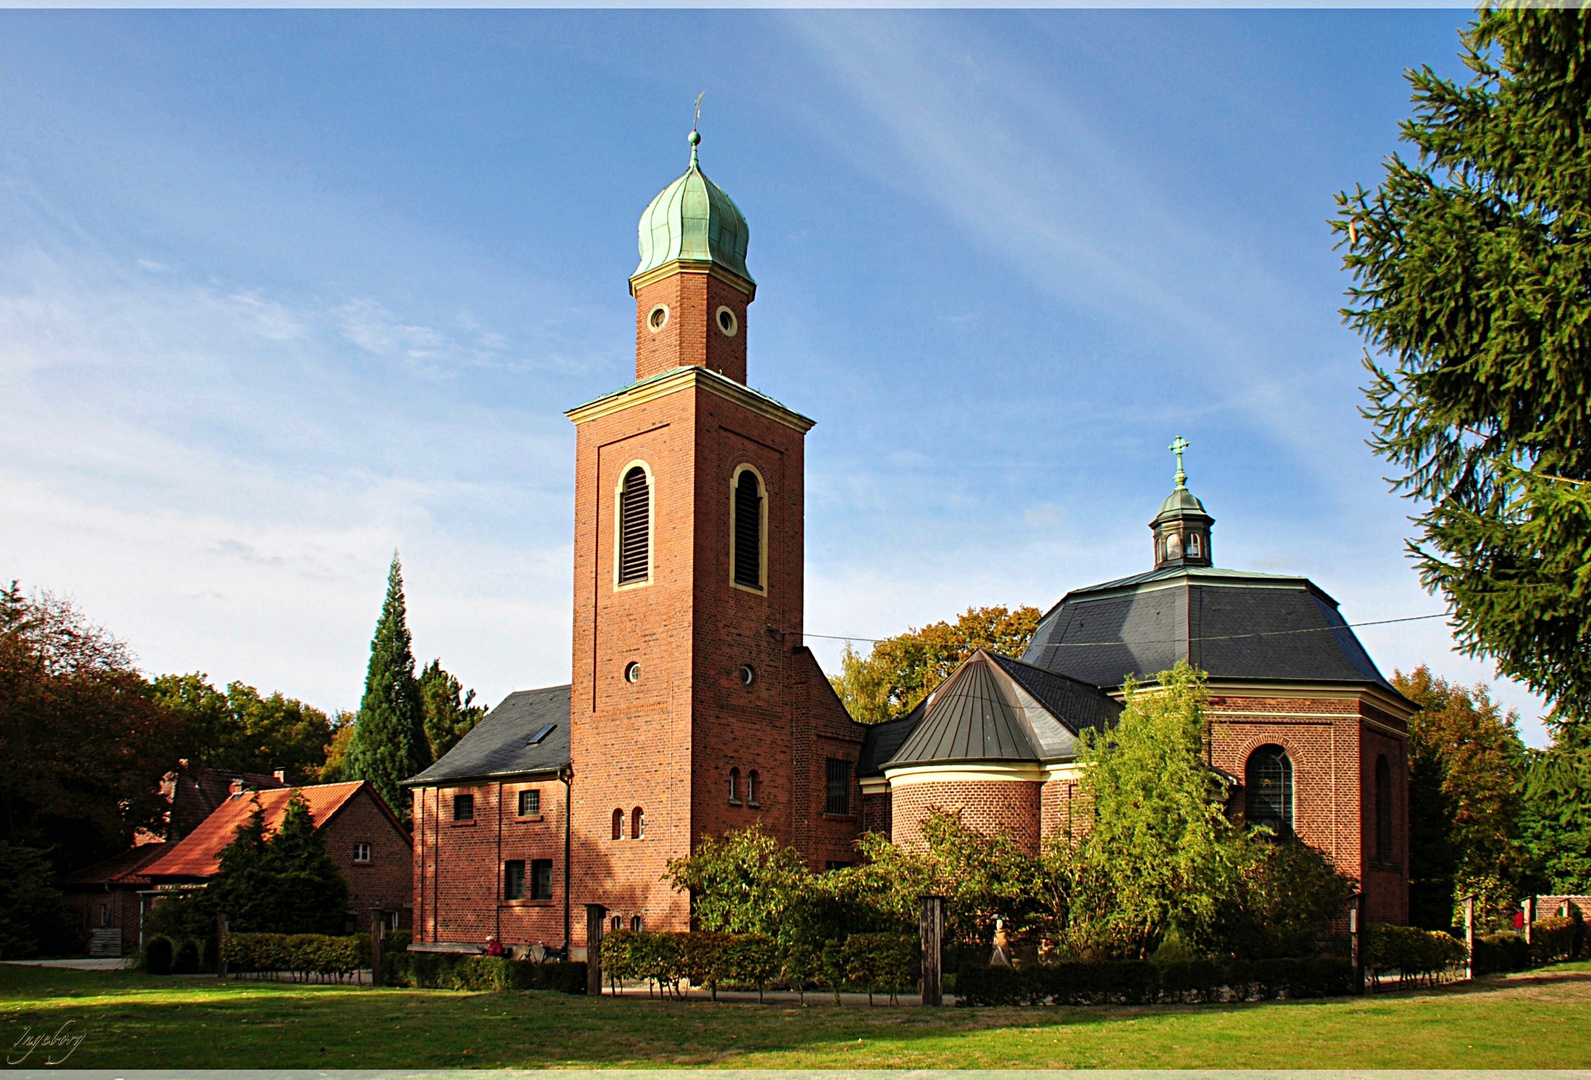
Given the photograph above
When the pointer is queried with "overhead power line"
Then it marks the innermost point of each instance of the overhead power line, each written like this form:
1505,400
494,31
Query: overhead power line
1178,641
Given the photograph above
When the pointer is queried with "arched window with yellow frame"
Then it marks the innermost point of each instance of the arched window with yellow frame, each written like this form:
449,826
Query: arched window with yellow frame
633,514
748,530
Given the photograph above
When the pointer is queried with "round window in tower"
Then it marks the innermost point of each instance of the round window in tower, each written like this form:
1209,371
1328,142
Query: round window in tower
658,318
727,322
748,675
632,672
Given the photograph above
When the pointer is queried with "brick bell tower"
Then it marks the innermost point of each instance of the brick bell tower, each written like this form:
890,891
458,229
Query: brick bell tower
687,679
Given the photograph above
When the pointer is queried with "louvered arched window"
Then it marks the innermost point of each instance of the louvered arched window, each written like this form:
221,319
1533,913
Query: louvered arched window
1383,811
638,824
1268,784
634,563
748,529
618,824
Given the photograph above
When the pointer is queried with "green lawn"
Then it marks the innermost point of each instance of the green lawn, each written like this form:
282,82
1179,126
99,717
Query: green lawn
1540,1020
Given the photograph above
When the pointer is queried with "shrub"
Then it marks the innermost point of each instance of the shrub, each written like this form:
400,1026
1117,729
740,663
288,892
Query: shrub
1420,955
1140,982
706,957
303,954
879,961
1556,938
157,956
452,971
753,961
1495,953
185,961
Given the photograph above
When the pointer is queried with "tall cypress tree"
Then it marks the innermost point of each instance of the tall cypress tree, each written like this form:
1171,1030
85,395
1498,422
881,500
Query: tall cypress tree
389,743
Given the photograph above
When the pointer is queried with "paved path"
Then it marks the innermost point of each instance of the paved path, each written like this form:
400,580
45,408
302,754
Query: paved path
81,963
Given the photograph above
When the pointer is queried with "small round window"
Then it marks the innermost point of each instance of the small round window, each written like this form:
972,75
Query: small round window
632,672
658,318
748,674
727,322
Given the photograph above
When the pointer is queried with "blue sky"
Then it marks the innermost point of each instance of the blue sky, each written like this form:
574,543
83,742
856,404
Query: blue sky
281,291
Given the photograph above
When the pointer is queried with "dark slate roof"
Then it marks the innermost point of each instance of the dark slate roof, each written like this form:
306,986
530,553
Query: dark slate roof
1078,704
499,744
1231,624
880,742
993,708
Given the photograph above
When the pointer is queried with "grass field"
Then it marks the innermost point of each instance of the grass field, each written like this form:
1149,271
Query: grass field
1540,1020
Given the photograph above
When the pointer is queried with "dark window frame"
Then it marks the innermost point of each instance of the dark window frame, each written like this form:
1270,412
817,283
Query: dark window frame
530,802
514,879
540,883
464,808
1268,790
837,787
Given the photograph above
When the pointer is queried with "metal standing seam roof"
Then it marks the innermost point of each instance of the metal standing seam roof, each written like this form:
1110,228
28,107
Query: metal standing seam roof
1230,624
993,708
500,744
198,855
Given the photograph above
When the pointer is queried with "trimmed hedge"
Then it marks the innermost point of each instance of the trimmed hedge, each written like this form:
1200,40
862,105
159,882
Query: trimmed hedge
1497,953
303,955
870,962
452,971
1142,982
1557,938
1421,956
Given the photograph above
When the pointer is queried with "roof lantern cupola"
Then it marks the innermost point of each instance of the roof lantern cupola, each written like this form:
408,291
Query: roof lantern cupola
1182,528
692,287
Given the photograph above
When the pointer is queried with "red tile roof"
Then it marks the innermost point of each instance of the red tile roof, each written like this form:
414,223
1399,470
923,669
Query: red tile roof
123,869
198,855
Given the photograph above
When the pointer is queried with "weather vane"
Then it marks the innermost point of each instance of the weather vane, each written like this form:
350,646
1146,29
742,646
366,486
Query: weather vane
1178,445
696,136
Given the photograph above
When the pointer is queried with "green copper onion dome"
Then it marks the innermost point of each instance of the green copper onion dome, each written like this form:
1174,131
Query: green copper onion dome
693,219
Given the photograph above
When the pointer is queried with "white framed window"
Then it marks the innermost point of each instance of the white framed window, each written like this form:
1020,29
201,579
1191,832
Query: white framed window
361,852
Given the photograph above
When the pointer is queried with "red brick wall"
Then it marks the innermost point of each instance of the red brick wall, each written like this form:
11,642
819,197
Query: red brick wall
691,336
386,883
991,807
458,894
122,904
667,742
1333,744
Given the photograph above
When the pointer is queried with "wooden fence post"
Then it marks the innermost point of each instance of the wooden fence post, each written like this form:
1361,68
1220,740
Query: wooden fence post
1356,934
1530,915
1469,937
932,925
220,945
595,916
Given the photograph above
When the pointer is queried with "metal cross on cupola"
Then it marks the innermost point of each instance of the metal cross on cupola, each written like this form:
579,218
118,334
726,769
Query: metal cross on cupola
1178,445
1182,528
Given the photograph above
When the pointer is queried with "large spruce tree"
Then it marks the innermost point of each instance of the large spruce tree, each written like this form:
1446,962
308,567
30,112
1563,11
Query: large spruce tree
389,743
1471,270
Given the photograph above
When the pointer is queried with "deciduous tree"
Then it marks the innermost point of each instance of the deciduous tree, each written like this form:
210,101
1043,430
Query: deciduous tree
242,731
83,744
1470,267
1466,761
901,670
1161,856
